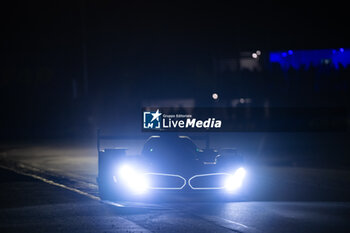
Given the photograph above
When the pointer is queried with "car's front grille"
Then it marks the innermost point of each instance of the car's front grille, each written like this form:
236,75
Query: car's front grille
165,181
208,181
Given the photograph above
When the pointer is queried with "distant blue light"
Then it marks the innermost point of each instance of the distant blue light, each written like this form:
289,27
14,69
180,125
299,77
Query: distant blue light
290,52
311,57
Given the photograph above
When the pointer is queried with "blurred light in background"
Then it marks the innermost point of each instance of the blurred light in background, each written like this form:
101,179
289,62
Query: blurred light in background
299,58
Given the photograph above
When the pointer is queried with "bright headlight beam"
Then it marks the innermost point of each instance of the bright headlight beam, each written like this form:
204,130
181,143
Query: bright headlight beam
235,181
125,171
133,180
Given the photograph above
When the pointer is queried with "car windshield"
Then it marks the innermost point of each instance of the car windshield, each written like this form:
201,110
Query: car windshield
169,147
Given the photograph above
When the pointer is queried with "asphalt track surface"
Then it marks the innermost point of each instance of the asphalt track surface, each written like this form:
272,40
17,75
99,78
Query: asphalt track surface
39,193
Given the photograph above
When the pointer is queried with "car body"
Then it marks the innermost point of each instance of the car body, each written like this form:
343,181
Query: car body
169,166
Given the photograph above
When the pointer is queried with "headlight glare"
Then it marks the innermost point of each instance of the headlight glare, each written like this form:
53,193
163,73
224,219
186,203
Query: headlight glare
234,182
132,179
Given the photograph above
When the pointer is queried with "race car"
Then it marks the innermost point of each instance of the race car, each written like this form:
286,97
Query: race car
169,165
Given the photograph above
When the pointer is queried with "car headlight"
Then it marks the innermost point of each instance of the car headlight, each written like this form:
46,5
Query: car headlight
132,179
234,182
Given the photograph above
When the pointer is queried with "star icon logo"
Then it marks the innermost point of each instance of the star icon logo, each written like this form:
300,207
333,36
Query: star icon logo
152,120
156,115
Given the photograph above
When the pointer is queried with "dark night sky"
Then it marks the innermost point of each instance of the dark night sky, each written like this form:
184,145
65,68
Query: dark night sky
136,39
129,31
131,37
